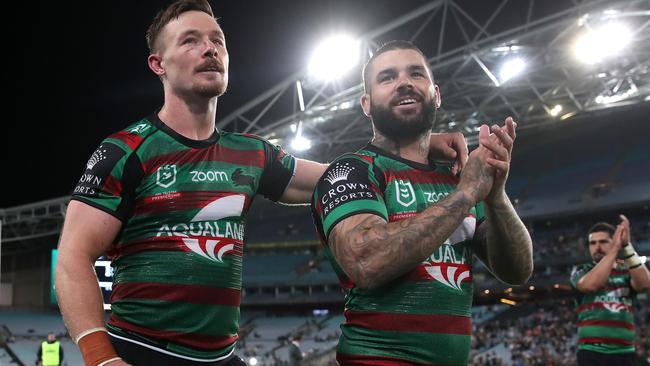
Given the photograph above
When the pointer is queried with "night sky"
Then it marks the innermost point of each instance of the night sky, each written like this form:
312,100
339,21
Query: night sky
75,72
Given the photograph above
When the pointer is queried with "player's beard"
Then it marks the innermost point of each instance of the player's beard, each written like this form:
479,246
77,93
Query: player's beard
215,89
403,127
598,256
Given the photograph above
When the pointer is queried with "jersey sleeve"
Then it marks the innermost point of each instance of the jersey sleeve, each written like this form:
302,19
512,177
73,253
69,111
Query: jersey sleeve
577,273
109,179
348,187
279,169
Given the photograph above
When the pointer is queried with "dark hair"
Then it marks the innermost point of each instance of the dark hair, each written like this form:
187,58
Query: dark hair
389,46
173,11
603,226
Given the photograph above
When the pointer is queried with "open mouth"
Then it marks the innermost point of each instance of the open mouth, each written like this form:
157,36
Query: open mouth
407,101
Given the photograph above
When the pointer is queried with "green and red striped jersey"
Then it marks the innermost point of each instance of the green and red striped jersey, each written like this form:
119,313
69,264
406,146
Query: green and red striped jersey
606,317
183,203
423,317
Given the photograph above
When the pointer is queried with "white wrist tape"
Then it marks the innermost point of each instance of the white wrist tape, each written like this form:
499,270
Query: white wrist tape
88,331
109,361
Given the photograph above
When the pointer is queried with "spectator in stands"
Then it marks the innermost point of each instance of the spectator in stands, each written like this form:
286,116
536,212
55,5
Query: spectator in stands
608,287
50,352
295,353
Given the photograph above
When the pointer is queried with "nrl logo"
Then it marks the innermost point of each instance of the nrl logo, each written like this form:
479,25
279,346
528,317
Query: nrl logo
339,173
166,175
405,192
451,277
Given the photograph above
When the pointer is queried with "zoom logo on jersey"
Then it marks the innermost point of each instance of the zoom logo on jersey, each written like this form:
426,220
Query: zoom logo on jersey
209,176
98,168
345,181
433,197
166,175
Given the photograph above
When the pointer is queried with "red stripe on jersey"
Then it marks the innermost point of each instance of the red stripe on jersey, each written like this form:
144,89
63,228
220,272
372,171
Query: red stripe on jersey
604,305
606,323
255,158
417,176
112,186
367,360
617,272
193,294
367,158
448,274
178,201
346,282
605,340
130,139
173,244
201,341
614,288
434,323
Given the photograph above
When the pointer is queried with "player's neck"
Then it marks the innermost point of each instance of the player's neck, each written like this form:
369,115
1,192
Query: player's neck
192,119
415,149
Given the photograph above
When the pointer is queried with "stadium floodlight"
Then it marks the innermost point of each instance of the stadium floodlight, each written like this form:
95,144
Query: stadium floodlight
334,57
601,43
555,110
511,68
300,143
252,361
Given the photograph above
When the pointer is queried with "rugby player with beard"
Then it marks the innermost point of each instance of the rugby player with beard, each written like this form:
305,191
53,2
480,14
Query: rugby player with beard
608,287
402,231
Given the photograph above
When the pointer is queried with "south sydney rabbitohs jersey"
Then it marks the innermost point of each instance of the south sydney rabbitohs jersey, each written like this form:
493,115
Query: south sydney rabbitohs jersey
422,317
606,317
183,205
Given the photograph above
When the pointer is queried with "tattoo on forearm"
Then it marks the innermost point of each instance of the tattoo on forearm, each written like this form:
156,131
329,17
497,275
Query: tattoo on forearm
374,252
508,243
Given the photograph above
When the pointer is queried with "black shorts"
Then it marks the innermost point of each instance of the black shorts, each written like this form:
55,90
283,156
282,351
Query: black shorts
591,358
138,355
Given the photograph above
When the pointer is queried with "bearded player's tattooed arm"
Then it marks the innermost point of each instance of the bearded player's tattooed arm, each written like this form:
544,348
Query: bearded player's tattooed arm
373,252
503,243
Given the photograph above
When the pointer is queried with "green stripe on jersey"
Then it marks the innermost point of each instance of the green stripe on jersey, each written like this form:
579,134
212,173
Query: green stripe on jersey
427,348
205,319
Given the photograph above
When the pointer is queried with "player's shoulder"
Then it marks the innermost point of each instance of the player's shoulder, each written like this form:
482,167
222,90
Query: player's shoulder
363,156
242,141
132,137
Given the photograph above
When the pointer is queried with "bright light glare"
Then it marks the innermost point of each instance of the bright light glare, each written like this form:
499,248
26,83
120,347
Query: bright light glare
334,57
301,143
556,110
252,361
599,44
512,68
